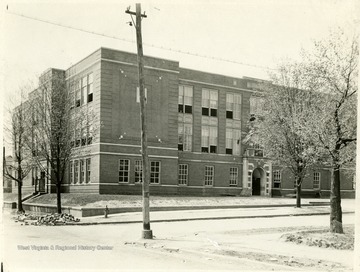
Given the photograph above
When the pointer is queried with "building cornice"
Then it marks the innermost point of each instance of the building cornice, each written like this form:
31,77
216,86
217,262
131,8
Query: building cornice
135,65
217,85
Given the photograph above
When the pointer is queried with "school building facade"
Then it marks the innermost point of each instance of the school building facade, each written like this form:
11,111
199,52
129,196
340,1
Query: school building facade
196,125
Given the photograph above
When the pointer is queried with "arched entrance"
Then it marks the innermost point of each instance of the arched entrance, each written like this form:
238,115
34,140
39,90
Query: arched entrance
258,182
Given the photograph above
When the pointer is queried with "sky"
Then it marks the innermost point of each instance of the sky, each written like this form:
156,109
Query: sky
252,34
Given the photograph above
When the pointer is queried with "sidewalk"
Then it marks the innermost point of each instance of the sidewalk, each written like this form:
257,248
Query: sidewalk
188,215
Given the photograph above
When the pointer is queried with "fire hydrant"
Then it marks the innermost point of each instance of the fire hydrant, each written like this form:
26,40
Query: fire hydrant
106,211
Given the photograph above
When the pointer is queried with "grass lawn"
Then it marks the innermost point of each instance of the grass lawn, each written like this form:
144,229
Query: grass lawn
95,200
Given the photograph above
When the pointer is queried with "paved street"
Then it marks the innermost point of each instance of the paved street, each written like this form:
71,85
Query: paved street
236,244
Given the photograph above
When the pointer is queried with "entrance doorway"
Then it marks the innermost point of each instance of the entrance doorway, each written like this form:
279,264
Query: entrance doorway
42,182
258,182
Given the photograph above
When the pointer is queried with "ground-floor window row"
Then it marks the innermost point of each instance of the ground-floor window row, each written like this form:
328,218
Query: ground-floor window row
124,171
209,175
316,177
80,171
183,173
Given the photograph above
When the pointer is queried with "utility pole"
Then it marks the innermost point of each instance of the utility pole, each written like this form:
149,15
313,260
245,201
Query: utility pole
146,232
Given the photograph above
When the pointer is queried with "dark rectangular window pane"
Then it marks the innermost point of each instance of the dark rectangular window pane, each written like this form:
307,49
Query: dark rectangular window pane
213,112
181,108
229,114
212,149
90,97
205,111
188,109
229,151
180,147
205,149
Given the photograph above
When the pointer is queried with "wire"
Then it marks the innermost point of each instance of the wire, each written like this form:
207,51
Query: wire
70,27
131,41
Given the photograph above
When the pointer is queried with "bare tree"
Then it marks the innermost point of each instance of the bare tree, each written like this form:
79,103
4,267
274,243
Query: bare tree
278,126
60,128
18,130
332,69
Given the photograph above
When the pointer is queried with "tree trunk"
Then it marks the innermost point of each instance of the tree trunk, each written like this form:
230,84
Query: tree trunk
335,202
298,192
20,207
58,198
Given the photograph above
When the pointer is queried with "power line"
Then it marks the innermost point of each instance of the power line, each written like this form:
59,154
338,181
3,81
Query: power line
70,27
149,45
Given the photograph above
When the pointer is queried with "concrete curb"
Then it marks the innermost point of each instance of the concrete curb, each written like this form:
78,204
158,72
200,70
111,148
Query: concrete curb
197,219
95,211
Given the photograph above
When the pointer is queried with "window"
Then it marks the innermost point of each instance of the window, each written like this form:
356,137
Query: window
256,106
72,138
155,172
256,150
138,171
209,175
76,171
185,99
82,171
233,176
233,106
78,93
229,141
259,152
83,90
185,125
88,170
185,119
71,172
124,169
77,136
83,133
209,133
183,174
209,122
90,88
316,183
209,102
233,137
72,94
277,179
89,132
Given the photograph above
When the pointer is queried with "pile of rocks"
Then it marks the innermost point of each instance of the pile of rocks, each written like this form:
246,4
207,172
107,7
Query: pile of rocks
55,219
47,220
24,217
